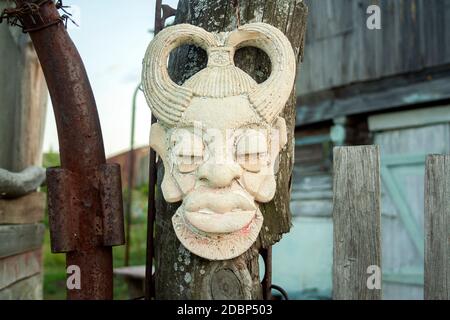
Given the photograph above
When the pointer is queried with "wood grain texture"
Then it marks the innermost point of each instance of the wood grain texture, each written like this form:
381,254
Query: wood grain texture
437,228
30,132
387,93
26,289
342,50
402,244
405,63
15,239
11,71
23,96
26,209
180,274
18,267
409,118
356,221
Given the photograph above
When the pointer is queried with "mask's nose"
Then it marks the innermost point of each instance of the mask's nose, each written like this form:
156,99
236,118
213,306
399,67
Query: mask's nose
219,175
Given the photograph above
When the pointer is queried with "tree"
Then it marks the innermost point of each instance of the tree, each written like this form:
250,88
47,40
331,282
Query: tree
180,274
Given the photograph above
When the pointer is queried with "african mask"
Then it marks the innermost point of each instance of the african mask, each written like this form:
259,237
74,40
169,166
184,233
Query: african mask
219,134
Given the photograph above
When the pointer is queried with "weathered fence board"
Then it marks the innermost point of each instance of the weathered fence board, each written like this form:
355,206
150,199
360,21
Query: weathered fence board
437,227
356,220
26,209
26,289
23,93
18,267
15,239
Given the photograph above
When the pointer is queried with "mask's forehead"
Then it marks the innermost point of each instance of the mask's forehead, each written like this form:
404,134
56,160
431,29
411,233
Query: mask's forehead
221,113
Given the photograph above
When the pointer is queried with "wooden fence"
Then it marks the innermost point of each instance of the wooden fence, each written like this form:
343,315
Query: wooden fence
357,272
23,100
21,237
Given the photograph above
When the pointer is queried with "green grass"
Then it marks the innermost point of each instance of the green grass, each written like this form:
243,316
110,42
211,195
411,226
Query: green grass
54,264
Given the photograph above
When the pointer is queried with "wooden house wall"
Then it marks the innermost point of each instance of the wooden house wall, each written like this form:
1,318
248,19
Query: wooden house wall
140,166
405,138
341,50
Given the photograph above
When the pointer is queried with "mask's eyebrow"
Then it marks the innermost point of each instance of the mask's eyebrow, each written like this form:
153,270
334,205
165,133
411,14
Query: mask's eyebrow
253,141
187,144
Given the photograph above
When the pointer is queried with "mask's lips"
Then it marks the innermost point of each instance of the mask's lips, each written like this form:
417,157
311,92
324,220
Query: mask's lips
219,212
218,202
211,222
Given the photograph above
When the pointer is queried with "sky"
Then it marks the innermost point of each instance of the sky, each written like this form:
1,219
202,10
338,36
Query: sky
112,38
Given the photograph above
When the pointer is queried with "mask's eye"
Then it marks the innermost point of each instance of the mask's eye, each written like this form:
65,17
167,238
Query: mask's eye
252,151
188,152
188,163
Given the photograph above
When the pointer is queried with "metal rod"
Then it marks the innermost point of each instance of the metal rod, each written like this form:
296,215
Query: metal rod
149,286
80,144
267,280
131,159
283,292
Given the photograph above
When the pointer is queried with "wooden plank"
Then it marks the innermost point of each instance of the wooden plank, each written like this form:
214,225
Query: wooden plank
403,206
29,133
26,289
437,228
23,94
18,267
389,93
15,239
356,221
434,32
409,118
27,209
11,70
403,232
318,208
414,26
446,30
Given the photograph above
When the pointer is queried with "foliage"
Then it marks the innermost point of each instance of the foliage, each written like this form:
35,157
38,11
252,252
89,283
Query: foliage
50,159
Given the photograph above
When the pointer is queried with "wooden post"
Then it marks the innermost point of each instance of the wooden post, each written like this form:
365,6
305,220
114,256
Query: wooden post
23,93
180,274
23,100
356,220
437,228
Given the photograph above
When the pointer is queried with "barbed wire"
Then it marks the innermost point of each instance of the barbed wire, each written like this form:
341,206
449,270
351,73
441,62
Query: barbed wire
67,15
31,10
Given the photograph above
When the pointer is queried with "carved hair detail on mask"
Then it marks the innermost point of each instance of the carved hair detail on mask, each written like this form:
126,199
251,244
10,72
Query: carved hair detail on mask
221,78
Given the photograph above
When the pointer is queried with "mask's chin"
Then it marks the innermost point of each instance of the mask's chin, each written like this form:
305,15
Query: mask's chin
217,236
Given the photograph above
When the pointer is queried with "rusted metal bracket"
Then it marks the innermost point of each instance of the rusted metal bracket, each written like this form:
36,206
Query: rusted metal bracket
163,12
66,203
